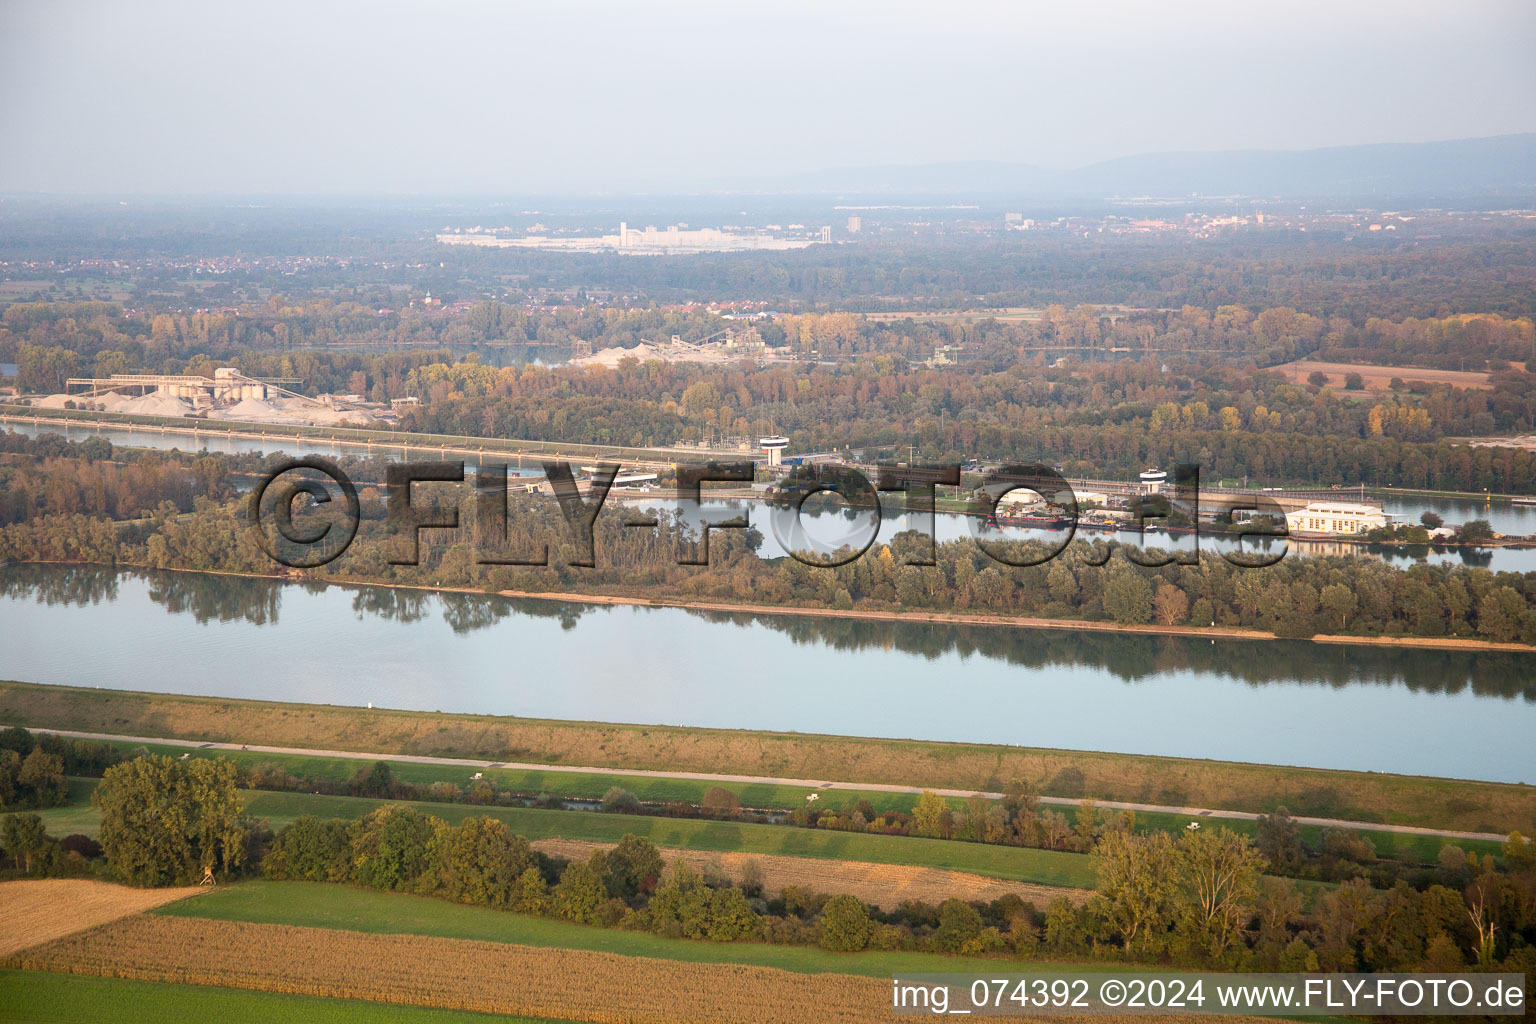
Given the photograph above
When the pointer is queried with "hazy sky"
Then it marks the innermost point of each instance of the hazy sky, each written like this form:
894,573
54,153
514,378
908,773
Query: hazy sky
563,96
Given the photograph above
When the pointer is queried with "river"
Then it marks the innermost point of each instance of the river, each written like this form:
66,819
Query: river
1462,714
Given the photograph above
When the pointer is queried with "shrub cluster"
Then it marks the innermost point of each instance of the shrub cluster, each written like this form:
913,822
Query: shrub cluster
30,852
32,768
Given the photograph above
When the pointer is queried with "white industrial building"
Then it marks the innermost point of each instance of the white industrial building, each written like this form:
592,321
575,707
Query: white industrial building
1335,518
227,385
228,395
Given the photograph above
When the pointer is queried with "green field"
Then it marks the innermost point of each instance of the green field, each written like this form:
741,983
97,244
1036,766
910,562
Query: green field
75,817
1046,867
318,905
42,998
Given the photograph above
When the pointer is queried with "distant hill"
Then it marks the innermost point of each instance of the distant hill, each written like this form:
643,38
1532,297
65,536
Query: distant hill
1504,164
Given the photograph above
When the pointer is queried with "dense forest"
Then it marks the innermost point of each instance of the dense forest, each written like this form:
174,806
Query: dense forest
54,340
1190,386
1093,419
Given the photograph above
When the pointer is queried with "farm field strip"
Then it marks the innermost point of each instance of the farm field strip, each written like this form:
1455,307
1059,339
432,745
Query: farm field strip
472,976
884,885
1377,378
458,974
353,908
40,997
43,909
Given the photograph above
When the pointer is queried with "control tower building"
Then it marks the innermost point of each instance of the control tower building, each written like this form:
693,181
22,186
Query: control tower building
774,446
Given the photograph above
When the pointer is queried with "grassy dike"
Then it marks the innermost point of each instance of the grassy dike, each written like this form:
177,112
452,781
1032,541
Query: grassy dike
1389,799
1400,845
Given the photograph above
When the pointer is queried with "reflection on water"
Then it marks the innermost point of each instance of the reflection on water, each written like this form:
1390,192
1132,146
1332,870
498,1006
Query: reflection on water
1464,714
392,603
1137,657
1128,657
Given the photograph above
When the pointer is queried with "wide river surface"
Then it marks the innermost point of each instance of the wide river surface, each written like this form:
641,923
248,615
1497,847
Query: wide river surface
1459,714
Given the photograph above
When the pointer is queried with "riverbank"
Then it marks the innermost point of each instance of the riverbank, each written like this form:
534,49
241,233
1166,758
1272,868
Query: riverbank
1398,800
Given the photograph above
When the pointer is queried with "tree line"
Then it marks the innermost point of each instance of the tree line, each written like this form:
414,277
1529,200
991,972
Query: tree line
1214,404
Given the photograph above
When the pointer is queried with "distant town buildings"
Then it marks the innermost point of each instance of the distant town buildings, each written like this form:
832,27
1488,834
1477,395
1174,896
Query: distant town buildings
650,240
1167,217
855,225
